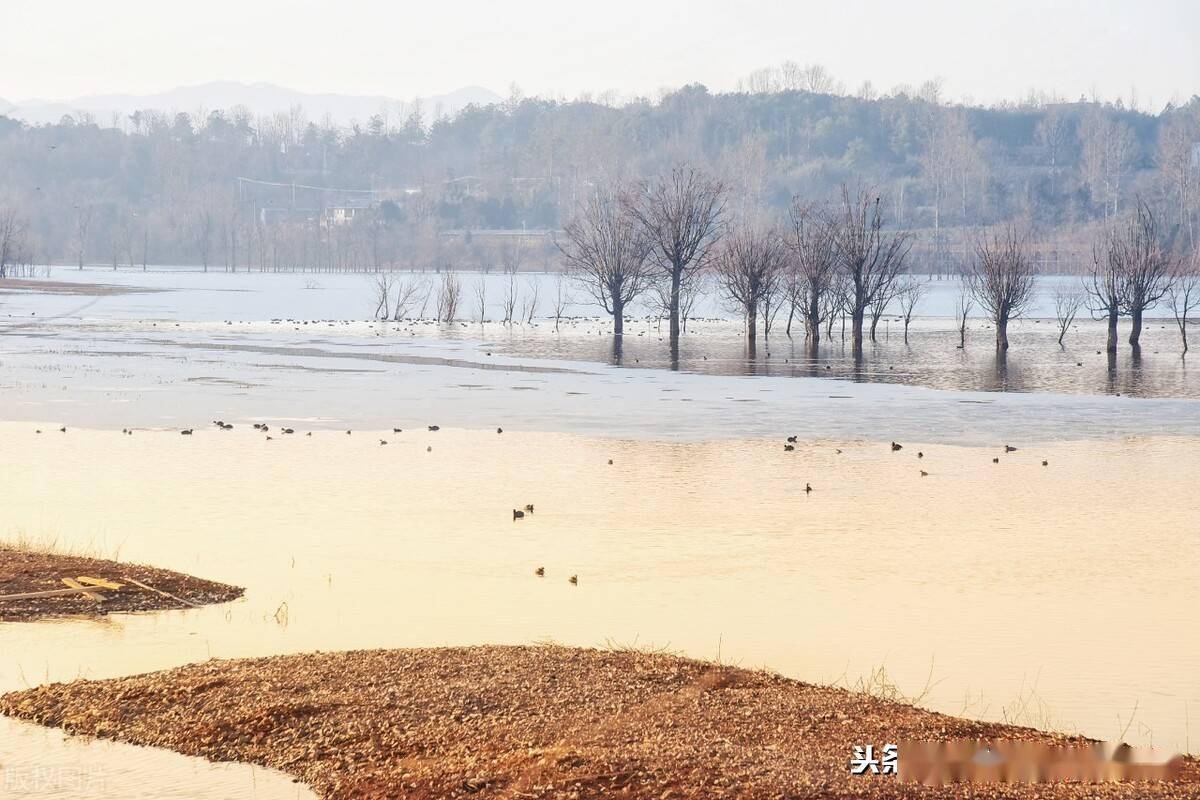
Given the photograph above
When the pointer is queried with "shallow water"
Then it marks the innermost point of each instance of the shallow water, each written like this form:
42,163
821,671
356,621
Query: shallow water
323,303
1057,596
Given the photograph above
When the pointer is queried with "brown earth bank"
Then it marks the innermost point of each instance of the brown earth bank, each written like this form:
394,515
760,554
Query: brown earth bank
34,286
23,572
532,722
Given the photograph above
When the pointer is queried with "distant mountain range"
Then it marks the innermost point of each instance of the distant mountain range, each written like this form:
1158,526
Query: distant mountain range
260,98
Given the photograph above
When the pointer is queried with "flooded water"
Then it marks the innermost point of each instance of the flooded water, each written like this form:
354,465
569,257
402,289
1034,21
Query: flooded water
1058,596
1066,587
715,344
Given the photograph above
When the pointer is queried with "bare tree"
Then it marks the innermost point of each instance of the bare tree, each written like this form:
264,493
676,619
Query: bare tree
449,295
911,290
508,303
868,257
1149,268
1068,300
749,267
407,291
682,217
1104,286
12,238
562,298
1184,295
813,265
83,223
530,302
481,298
606,249
1002,279
381,287
1176,158
1109,149
962,312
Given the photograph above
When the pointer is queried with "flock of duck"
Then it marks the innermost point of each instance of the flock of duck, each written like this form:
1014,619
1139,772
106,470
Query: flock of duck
790,446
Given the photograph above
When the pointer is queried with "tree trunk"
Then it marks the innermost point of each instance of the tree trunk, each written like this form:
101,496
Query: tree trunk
1112,329
1135,334
618,318
675,280
752,323
1002,334
813,322
906,331
857,330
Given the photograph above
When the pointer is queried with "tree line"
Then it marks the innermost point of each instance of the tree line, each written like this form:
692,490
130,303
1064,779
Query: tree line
840,259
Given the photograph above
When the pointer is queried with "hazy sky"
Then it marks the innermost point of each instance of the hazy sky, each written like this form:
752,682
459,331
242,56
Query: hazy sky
982,49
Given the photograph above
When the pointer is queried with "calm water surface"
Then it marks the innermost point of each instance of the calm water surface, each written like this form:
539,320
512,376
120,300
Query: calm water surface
1056,596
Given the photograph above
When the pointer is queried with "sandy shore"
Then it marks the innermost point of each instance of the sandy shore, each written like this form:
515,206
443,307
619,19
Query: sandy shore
24,572
529,722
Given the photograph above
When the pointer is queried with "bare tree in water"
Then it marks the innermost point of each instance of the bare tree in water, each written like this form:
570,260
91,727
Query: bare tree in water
813,266
1184,295
607,251
408,290
481,298
910,292
1149,269
562,298
381,286
449,296
1003,279
681,215
962,312
530,302
1068,300
868,256
749,268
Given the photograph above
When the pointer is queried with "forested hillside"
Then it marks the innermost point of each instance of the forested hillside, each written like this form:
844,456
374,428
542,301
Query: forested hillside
164,188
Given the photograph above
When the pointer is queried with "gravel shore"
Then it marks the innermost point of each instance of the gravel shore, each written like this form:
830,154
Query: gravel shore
531,722
23,571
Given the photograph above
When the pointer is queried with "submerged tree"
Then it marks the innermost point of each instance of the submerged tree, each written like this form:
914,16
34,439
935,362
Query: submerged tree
606,249
870,258
749,268
1184,295
1067,303
1002,279
911,290
1148,269
813,266
681,216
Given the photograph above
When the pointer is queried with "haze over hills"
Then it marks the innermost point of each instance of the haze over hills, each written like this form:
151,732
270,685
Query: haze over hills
260,98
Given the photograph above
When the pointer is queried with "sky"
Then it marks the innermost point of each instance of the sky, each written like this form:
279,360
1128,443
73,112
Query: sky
982,50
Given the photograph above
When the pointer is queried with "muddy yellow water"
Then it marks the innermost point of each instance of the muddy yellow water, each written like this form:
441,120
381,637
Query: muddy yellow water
1060,596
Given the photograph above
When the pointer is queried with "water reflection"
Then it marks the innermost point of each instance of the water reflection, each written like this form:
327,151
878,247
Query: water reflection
932,357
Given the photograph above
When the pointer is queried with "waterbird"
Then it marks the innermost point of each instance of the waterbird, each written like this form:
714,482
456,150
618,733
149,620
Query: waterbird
529,508
518,514
499,430
288,430
429,449
610,461
808,488
63,429
787,448
573,580
896,447
1009,448
382,442
184,432
540,571
792,439
347,433
923,473
397,430
434,428
995,460
838,450
1045,463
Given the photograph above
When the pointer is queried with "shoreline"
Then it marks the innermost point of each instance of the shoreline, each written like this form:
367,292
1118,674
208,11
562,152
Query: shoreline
28,572
536,721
